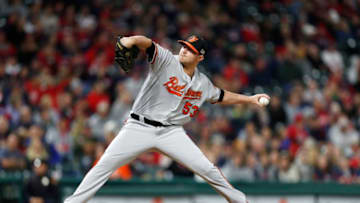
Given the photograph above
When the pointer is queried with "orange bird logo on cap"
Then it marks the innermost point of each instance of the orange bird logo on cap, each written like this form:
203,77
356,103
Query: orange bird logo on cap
193,39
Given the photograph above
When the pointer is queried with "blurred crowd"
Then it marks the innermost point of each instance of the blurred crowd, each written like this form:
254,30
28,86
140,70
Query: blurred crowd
62,100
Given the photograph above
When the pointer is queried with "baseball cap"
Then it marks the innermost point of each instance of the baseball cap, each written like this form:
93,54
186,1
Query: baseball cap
196,43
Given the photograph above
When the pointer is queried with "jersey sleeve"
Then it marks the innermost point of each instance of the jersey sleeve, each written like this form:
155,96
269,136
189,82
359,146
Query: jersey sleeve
158,57
213,92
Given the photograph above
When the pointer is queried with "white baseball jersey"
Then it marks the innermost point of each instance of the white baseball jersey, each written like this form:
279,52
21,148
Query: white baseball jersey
168,94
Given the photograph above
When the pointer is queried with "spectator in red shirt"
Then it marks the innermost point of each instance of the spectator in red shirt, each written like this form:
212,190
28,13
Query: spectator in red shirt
297,134
97,95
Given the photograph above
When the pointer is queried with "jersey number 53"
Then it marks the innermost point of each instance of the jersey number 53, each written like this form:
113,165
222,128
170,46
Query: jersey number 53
190,108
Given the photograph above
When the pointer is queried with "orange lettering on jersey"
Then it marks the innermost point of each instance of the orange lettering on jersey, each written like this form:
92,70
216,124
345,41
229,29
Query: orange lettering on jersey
191,94
173,87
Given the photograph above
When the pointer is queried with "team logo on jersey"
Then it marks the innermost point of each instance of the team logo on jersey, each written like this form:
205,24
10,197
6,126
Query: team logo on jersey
173,87
191,94
193,39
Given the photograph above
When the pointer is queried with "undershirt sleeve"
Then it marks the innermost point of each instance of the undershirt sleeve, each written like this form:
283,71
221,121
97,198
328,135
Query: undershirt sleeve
150,52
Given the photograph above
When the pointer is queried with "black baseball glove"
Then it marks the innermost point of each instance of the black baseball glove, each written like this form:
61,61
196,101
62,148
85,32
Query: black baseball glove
124,56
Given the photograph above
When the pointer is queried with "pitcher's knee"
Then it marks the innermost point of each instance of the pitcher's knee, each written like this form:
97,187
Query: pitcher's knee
207,170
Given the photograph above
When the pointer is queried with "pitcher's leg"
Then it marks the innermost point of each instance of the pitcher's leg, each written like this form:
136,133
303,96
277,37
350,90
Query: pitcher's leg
181,148
126,146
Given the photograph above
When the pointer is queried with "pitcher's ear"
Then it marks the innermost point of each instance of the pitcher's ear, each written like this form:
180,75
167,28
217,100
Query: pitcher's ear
201,57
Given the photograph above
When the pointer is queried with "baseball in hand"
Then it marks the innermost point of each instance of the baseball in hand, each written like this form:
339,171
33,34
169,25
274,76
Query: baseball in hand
264,101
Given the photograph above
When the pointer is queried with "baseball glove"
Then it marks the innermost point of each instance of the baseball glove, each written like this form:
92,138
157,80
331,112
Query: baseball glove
124,56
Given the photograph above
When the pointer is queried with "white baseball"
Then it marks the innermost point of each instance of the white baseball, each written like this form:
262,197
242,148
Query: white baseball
264,101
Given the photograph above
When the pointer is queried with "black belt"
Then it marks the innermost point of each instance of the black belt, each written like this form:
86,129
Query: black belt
148,121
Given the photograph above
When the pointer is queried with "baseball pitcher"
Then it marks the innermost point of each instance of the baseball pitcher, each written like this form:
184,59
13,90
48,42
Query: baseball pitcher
171,95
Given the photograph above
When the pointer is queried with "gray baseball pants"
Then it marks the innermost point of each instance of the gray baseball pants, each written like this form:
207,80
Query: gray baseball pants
137,137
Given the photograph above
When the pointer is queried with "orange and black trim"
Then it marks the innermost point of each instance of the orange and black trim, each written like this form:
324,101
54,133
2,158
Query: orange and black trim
221,97
155,55
189,45
152,53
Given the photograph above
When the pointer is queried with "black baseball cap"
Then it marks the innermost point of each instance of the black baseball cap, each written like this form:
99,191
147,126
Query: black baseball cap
195,43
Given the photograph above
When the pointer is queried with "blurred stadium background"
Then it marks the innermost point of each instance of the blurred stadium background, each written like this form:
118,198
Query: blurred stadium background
62,100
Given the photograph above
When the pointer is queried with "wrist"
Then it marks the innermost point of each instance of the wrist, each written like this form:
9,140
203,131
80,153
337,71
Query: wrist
244,99
251,99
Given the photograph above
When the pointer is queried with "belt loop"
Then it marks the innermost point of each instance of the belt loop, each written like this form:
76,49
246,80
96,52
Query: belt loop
141,118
